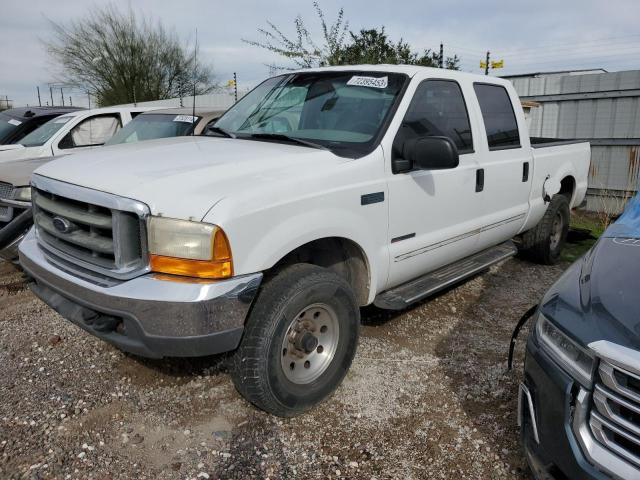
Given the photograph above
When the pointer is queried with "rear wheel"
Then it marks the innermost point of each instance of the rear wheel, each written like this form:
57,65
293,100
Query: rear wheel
544,243
299,341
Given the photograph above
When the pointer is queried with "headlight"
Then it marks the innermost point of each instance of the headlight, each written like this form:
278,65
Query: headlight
192,249
22,194
571,356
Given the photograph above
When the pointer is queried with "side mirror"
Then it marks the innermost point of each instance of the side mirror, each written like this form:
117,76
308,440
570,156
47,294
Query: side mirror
428,153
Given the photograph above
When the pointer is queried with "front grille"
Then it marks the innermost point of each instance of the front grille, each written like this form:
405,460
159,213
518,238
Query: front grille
6,190
91,236
6,212
615,417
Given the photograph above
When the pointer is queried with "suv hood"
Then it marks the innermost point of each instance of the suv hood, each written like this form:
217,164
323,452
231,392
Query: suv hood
597,297
184,177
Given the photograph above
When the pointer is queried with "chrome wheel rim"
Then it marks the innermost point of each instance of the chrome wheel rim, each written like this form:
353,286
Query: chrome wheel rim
556,231
310,343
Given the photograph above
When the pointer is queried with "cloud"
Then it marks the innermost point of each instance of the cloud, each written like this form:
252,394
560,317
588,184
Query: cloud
530,36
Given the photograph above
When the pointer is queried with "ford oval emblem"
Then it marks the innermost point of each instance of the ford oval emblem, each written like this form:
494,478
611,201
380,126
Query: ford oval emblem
63,225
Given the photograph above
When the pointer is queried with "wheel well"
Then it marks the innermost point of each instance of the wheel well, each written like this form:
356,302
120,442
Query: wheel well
340,255
567,187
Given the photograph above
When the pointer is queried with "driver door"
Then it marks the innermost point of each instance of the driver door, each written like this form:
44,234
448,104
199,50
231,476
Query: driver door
435,215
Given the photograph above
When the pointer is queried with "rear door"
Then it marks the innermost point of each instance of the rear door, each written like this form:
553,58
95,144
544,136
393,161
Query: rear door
434,215
505,164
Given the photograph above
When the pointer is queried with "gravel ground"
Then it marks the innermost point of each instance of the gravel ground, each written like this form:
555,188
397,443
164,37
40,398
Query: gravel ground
428,396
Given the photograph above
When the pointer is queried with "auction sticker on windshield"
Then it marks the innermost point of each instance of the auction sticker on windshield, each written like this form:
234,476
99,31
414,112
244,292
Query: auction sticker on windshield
15,122
61,120
374,82
184,118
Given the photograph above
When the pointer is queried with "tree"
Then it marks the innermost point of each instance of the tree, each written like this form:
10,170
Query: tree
373,46
369,46
303,50
119,59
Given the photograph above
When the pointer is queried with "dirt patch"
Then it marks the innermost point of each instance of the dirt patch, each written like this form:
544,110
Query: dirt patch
428,396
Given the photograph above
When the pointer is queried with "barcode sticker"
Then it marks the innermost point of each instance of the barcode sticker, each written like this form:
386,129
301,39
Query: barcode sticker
380,82
184,118
15,122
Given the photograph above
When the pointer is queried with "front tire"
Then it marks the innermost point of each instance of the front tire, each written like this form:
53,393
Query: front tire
299,340
544,243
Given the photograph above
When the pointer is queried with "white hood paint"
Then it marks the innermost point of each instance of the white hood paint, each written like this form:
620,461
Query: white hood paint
19,152
184,177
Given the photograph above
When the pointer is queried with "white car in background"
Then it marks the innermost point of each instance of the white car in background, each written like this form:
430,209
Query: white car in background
71,133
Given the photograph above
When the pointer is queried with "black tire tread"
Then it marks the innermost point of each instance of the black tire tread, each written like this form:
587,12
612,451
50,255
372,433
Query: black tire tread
248,371
535,241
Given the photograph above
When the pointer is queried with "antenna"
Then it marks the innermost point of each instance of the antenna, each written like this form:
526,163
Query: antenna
195,66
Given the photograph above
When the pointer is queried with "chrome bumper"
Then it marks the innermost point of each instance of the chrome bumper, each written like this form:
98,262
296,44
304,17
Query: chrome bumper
147,316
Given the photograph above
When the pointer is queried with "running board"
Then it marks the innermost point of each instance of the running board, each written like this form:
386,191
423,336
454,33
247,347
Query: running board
415,290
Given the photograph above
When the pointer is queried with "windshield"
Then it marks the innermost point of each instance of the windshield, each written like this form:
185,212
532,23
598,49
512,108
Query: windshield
154,125
342,111
7,126
41,134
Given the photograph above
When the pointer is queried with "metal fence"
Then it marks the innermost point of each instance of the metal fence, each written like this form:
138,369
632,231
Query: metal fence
603,108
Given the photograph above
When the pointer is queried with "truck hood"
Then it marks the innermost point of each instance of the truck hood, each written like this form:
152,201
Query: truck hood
19,152
18,172
184,177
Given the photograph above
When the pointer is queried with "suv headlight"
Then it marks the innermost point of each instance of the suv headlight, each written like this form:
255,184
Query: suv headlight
192,249
22,194
575,359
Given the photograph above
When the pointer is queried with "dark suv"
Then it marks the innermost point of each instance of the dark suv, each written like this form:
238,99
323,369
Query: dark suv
18,122
579,404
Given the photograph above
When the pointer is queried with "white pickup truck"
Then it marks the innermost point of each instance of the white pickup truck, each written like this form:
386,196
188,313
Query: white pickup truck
319,192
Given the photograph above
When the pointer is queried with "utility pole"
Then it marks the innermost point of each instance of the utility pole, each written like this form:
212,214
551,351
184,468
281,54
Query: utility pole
235,86
51,93
441,57
39,100
62,96
486,67
89,98
70,102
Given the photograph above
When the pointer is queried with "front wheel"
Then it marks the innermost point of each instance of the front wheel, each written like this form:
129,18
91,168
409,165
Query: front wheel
299,341
544,243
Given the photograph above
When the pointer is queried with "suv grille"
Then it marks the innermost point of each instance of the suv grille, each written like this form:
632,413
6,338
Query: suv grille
615,418
90,236
6,212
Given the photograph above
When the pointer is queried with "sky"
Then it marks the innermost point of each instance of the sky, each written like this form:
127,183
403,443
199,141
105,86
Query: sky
530,36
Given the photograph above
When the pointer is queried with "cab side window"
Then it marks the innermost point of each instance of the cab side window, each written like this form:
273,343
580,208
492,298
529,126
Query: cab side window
437,109
91,132
498,115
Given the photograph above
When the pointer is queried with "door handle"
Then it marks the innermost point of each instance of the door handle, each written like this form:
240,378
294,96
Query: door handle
525,172
479,179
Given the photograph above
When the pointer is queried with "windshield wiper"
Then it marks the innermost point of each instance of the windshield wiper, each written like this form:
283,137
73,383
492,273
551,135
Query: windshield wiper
287,138
221,131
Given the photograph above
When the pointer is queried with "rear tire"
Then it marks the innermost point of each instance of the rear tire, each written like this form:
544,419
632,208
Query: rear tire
544,243
299,340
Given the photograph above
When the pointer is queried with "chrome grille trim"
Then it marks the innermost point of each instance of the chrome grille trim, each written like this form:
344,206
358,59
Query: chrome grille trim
110,235
611,416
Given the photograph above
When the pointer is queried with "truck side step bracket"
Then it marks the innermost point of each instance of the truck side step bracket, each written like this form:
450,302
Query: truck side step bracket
420,288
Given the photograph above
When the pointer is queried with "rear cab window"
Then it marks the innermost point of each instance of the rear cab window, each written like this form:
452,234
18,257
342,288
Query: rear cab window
498,115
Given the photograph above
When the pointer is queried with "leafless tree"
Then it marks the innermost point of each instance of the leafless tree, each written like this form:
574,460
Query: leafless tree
303,50
121,59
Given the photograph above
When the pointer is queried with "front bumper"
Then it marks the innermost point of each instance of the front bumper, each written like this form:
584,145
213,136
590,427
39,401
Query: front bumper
554,395
147,316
